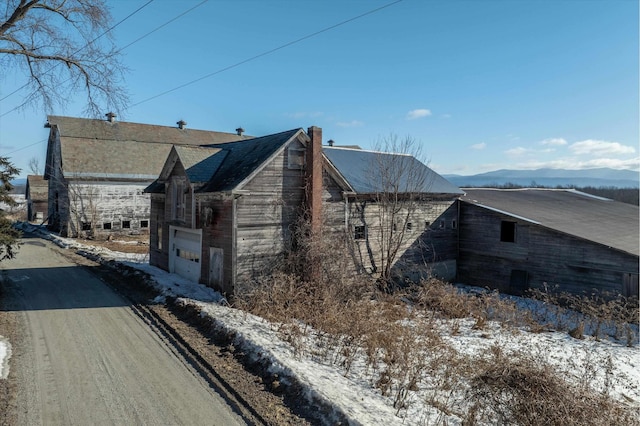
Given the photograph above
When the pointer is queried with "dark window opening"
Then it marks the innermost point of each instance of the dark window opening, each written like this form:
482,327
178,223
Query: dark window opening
442,224
508,232
86,226
409,226
126,224
359,232
144,224
427,224
454,224
106,225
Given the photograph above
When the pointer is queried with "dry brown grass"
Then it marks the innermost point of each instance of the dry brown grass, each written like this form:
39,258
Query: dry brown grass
522,391
397,338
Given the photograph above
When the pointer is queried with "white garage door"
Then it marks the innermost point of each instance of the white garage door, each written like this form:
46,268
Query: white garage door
186,249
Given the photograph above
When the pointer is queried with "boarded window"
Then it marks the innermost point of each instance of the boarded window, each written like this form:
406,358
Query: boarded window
630,284
126,224
359,232
295,158
508,231
178,188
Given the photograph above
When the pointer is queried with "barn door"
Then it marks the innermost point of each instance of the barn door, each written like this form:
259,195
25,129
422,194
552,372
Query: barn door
216,258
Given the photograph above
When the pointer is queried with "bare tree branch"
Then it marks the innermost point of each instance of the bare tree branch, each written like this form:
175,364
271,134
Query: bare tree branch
63,47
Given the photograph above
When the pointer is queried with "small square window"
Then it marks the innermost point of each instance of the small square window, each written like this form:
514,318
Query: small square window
508,231
144,224
126,224
106,225
359,232
86,226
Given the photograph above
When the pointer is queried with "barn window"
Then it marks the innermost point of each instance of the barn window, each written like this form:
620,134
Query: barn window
178,198
126,224
86,226
359,232
508,231
144,224
296,158
454,224
409,226
106,225
159,235
427,224
442,224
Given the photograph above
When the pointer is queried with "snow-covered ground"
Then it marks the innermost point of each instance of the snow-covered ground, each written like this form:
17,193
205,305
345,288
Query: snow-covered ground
609,364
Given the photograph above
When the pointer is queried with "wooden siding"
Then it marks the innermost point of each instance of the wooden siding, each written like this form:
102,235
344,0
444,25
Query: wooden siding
266,214
539,257
105,205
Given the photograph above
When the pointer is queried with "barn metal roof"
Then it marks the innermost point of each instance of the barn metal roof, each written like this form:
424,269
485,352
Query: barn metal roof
365,172
37,188
592,218
119,150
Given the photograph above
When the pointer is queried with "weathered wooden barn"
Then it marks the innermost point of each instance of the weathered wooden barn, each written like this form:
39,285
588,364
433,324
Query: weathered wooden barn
97,171
36,193
223,214
563,240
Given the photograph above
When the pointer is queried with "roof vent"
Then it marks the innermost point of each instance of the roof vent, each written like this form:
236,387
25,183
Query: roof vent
239,131
111,117
330,142
181,124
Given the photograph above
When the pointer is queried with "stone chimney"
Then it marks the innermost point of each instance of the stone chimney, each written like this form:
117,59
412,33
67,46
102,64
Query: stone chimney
111,117
314,179
181,124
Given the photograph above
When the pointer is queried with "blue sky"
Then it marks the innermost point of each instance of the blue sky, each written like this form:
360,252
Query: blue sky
480,85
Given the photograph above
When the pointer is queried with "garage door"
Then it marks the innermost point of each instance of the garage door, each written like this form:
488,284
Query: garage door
186,249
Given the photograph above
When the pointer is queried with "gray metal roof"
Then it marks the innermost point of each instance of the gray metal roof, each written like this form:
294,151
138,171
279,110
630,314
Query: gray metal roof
369,172
37,188
120,150
596,219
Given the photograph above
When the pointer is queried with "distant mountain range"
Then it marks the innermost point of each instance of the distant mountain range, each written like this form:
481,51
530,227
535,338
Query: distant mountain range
540,177
601,177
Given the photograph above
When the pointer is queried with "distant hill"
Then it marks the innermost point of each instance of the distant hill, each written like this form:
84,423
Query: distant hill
602,177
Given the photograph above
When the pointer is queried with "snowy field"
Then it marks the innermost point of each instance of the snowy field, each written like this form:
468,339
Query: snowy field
610,364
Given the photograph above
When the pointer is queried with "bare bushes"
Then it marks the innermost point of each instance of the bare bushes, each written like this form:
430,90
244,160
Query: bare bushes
597,314
519,390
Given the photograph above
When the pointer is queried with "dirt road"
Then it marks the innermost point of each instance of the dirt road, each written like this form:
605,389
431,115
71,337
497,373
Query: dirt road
83,357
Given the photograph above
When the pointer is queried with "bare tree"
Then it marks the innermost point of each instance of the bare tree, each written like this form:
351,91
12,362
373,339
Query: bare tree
34,166
64,47
399,183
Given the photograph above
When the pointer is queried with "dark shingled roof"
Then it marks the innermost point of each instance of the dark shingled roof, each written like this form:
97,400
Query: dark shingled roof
200,163
363,171
596,219
121,150
243,158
